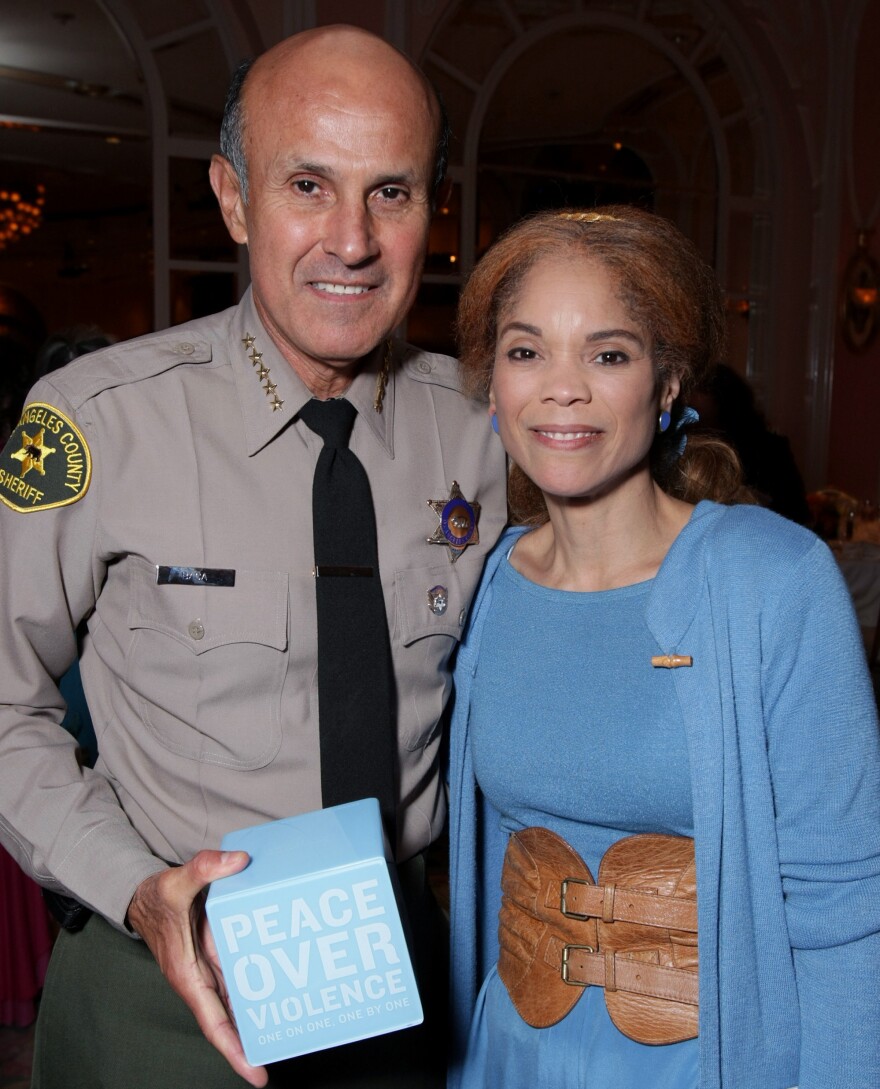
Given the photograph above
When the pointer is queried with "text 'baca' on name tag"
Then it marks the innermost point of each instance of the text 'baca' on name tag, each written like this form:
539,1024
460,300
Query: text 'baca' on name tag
194,576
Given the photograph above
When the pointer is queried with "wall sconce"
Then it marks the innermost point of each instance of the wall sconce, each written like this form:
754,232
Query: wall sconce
739,304
860,298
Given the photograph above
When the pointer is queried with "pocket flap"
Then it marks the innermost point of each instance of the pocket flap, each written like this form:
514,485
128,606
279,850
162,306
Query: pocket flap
420,593
201,618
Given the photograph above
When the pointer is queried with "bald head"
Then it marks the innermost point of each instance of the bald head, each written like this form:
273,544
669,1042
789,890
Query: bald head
341,63
334,133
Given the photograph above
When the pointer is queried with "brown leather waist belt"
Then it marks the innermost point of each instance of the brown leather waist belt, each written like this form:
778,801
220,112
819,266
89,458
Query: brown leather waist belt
634,933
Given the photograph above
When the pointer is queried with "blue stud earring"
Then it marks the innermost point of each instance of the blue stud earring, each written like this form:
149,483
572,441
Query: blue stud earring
494,420
664,421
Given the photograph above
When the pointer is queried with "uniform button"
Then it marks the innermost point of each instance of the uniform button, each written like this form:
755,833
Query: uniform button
424,366
196,629
186,348
461,617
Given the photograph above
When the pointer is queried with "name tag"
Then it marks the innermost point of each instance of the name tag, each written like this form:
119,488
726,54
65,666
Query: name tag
194,576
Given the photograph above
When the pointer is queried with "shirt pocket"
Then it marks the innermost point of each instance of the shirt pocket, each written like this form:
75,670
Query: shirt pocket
424,637
206,665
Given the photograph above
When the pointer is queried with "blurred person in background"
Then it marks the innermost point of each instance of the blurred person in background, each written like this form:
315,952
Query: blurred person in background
727,406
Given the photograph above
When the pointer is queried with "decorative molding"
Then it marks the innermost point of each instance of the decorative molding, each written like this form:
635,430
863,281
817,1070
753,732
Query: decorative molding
163,145
298,15
842,41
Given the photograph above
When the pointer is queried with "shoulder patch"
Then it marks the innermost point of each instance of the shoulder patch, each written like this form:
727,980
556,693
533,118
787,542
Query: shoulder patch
46,462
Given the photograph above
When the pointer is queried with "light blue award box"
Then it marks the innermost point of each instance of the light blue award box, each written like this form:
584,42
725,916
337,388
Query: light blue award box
310,937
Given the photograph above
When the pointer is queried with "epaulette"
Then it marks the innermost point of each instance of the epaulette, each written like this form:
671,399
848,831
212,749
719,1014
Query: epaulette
431,368
128,362
46,462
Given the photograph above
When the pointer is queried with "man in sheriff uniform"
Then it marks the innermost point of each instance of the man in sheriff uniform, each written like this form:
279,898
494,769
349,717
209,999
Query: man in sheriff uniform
184,449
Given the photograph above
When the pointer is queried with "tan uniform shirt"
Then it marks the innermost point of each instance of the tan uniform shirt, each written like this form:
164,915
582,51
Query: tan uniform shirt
181,448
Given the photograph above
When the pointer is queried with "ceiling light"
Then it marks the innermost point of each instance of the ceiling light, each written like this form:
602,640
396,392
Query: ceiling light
19,216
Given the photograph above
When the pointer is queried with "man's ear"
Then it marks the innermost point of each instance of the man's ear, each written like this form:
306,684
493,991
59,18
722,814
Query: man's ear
227,189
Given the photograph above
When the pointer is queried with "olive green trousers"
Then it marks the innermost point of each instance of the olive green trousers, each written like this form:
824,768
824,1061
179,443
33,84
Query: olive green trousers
109,1020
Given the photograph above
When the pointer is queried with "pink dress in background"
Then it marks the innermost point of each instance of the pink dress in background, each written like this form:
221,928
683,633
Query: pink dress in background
25,944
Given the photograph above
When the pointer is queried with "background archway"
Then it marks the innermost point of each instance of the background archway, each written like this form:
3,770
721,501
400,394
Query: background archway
739,113
668,105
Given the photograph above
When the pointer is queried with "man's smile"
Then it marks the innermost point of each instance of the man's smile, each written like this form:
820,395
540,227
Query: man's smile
340,289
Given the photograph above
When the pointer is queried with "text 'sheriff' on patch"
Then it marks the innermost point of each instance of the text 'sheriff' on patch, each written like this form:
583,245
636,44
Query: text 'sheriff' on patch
46,463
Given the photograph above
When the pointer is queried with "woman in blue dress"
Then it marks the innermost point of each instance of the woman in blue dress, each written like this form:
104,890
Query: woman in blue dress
664,749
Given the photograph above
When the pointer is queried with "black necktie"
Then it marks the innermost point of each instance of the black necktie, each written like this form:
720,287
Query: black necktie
355,674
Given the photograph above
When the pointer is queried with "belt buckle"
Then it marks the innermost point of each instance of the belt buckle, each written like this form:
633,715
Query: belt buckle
563,891
564,967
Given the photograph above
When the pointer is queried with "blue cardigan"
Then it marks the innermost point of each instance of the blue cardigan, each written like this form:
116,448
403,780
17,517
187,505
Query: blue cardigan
782,732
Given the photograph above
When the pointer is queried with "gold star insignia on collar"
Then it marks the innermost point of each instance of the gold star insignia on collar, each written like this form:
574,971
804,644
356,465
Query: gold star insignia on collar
458,522
262,371
33,452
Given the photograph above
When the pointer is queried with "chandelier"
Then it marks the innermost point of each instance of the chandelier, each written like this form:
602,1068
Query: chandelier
19,216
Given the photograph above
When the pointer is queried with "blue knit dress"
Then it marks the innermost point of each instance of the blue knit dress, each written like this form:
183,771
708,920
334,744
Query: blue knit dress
573,729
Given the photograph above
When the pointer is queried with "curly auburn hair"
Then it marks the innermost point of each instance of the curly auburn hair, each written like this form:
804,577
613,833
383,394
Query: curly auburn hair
667,288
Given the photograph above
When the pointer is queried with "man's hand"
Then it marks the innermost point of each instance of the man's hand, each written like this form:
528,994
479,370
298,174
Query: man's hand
167,911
